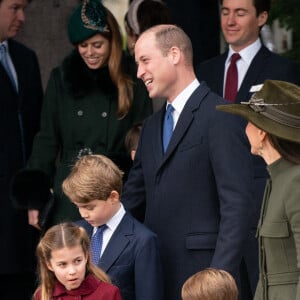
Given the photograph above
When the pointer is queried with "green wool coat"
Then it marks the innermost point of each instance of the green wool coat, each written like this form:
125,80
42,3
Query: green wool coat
79,117
279,234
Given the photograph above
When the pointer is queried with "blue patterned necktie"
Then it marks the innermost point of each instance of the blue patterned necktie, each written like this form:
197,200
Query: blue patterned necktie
96,244
4,62
168,126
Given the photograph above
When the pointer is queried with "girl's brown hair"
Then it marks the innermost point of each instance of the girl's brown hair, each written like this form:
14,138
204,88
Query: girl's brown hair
57,237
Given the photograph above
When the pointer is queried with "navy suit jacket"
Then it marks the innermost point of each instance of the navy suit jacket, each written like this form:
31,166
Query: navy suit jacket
197,194
19,122
131,260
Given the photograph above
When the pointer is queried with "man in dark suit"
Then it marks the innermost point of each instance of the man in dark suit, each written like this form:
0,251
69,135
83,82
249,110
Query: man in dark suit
20,102
197,191
241,21
127,251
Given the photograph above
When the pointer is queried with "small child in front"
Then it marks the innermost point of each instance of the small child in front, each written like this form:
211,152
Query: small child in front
125,249
65,267
210,284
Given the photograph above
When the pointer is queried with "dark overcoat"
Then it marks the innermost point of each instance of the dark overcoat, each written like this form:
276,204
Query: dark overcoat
79,116
19,122
197,194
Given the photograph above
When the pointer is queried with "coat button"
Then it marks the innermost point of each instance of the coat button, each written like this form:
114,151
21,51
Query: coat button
80,113
104,114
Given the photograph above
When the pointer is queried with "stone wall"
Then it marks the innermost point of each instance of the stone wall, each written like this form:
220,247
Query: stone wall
45,31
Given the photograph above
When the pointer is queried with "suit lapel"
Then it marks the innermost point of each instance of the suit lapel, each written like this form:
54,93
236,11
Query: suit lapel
117,243
185,119
219,80
251,77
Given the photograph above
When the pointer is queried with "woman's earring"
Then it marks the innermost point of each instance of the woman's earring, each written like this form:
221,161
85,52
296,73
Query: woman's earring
260,150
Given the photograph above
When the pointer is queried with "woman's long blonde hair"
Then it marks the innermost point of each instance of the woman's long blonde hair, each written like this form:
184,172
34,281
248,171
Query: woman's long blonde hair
57,237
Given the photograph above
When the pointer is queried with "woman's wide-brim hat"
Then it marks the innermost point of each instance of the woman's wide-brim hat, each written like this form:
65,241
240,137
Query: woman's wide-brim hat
88,19
275,108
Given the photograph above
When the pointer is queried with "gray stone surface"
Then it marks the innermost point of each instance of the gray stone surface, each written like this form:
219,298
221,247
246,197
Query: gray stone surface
45,31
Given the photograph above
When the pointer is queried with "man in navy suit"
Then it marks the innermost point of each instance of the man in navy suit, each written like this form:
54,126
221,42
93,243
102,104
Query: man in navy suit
128,252
197,192
20,104
241,22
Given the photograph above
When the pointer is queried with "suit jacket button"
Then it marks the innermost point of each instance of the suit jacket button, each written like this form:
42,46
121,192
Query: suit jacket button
80,113
104,114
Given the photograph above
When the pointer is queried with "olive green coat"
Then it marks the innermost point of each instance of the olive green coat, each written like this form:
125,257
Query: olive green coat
79,117
279,234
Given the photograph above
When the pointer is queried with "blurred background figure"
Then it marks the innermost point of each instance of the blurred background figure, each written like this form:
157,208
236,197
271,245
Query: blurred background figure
21,98
141,15
132,139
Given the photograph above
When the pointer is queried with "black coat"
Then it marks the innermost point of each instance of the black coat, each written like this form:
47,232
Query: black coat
19,122
197,194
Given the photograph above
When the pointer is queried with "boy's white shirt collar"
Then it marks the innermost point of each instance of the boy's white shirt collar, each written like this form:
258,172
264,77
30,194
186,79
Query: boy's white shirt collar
115,220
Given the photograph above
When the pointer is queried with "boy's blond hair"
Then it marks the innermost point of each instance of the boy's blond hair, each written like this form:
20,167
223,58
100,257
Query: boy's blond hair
93,177
210,284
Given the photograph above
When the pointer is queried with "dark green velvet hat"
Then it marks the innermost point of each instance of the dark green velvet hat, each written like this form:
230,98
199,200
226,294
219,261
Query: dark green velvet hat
88,19
275,109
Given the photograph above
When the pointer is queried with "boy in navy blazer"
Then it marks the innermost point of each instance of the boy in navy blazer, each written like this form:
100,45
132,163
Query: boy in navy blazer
129,253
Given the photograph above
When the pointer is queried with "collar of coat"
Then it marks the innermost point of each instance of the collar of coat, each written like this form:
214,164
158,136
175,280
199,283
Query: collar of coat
88,286
79,80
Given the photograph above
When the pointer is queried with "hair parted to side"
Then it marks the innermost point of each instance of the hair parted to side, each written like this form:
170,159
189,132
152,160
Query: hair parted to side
93,177
57,237
123,82
168,36
210,284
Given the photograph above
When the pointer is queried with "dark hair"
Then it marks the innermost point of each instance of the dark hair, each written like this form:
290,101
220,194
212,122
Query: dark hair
152,13
132,137
260,6
149,13
287,149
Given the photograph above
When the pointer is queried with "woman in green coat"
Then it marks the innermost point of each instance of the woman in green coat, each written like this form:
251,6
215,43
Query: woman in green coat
273,131
91,101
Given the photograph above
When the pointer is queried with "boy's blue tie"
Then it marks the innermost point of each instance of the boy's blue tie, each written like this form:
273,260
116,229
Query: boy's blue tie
6,66
168,126
96,244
